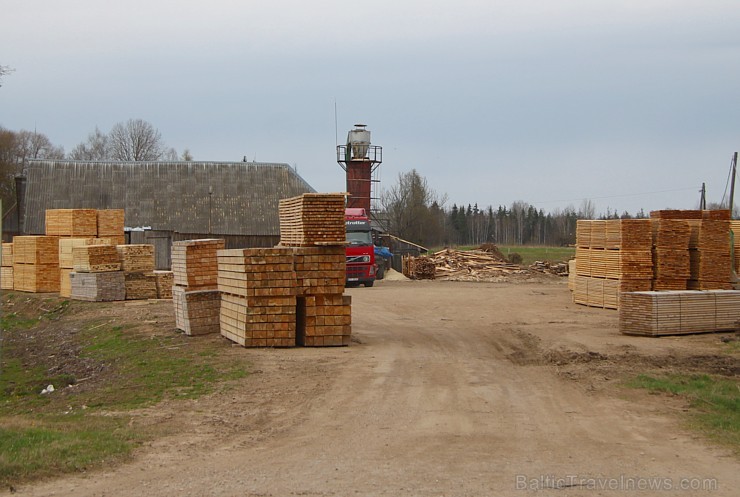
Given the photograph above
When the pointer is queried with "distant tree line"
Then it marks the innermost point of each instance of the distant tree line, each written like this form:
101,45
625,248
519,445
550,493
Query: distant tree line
415,212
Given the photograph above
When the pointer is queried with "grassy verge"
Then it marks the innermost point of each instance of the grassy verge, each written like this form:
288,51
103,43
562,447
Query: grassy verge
714,402
530,254
101,368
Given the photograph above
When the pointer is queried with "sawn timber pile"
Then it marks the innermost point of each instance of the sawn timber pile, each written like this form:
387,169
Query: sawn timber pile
470,265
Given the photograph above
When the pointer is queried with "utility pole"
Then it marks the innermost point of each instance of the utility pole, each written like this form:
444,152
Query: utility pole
732,182
703,200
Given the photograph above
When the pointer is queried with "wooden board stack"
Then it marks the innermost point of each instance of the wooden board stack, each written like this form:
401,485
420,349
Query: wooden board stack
195,263
66,260
612,256
165,282
98,287
735,227
6,270
679,312
312,219
320,270
258,291
36,263
671,254
71,222
137,263
197,311
110,223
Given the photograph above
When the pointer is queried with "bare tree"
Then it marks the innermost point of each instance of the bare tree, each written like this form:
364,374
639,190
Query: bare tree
95,148
4,71
170,154
33,145
587,209
186,155
135,140
407,205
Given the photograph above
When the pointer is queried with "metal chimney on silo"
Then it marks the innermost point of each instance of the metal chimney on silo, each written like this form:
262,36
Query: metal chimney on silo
360,159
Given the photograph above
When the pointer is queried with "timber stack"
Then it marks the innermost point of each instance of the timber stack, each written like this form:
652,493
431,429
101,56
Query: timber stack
6,267
312,219
110,224
671,261
679,312
735,228
137,264
165,281
36,263
66,260
194,285
612,256
96,274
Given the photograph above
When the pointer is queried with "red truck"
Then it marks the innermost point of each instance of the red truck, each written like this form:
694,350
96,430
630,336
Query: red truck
360,251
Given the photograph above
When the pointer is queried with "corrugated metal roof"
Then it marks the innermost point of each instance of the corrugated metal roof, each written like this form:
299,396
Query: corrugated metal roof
166,195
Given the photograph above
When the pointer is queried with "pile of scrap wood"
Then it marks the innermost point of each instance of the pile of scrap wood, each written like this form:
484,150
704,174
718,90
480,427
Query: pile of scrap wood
556,268
419,268
451,264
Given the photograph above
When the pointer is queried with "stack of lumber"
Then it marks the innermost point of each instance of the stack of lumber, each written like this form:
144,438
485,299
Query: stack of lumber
196,311
572,274
679,312
324,320
110,223
137,263
95,259
165,282
419,268
735,227
458,265
195,270
6,270
671,254
36,263
71,222
98,287
312,219
66,261
319,270
258,292
323,314
612,256
195,264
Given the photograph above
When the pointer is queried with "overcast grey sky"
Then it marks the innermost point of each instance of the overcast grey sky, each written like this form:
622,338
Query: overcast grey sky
492,101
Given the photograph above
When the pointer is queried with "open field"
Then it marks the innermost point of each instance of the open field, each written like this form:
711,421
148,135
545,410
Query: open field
532,253
448,389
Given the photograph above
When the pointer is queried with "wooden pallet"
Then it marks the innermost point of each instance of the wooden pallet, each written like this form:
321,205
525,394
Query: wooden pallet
98,287
195,264
72,222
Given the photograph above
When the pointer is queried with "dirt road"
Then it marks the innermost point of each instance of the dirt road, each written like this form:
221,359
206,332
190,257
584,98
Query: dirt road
455,389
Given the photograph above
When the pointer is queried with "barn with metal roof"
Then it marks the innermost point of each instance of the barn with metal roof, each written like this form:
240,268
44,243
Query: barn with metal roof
163,201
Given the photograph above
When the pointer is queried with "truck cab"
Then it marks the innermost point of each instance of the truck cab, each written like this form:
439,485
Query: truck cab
360,250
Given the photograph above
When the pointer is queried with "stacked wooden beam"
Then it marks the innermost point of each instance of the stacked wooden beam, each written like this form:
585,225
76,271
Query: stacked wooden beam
671,254
711,260
137,263
95,259
66,260
36,263
71,222
320,270
98,287
110,224
258,288
611,257
195,291
165,282
312,219
679,312
6,269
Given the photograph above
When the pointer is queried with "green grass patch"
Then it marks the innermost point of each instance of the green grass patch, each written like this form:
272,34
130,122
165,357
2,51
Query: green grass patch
714,402
530,254
84,423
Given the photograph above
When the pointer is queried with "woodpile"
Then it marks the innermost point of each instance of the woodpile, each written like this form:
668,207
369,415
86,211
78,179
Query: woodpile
165,282
140,286
418,268
194,263
319,270
312,219
36,263
66,245
679,312
197,311
547,267
6,268
98,287
95,259
324,320
194,285
71,222
258,288
136,258
110,224
671,262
